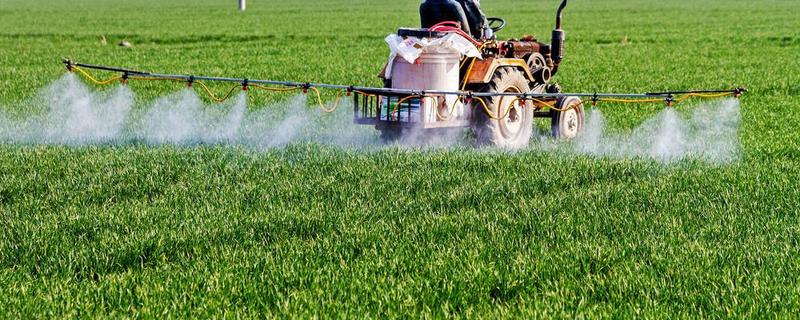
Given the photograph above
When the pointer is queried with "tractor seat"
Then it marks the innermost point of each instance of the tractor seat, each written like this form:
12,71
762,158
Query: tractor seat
432,12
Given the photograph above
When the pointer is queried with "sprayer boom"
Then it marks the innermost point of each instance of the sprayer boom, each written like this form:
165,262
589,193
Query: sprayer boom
597,97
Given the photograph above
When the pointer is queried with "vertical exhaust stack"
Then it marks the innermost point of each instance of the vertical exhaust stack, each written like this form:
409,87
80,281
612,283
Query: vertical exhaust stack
558,39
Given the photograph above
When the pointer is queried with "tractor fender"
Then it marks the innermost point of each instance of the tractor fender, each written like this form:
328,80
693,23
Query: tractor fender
482,71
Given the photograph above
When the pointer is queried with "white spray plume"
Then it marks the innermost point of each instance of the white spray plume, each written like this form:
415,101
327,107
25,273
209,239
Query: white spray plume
710,134
182,119
71,114
74,116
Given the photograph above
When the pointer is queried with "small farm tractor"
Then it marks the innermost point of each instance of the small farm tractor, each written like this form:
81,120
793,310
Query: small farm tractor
450,85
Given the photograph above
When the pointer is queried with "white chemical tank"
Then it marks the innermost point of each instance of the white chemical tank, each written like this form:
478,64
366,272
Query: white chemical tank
435,66
431,71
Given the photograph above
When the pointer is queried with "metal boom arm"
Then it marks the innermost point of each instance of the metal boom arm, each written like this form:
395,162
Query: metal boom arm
126,73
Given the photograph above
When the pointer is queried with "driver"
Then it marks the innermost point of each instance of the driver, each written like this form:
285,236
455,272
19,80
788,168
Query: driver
466,12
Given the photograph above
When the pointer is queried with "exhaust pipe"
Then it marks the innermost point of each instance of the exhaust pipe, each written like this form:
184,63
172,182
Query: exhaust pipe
558,39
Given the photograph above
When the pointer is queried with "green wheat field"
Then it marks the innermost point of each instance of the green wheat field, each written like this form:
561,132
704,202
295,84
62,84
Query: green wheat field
312,230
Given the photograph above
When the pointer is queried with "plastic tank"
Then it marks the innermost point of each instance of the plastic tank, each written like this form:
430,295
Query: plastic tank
432,71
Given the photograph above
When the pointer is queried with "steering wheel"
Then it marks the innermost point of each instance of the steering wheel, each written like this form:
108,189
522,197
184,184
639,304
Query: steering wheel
493,21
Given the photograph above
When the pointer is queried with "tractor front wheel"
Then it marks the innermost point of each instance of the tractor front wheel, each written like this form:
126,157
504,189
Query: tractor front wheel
567,118
504,121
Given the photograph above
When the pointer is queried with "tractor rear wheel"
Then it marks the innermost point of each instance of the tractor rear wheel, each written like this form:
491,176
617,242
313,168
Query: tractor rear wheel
507,123
568,120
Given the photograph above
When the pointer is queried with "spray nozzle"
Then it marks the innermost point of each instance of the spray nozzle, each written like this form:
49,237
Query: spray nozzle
245,84
738,92
349,91
523,101
190,81
306,87
125,77
595,100
68,64
670,101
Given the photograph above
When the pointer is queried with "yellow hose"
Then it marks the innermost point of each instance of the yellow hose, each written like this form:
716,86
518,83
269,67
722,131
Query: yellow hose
365,94
468,74
492,115
703,95
552,106
271,89
213,96
89,76
486,108
452,108
155,79
397,105
631,100
322,105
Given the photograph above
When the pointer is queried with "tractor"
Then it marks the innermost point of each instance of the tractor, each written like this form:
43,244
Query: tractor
515,67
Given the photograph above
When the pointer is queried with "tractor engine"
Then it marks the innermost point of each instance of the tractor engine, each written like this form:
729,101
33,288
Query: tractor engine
536,54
